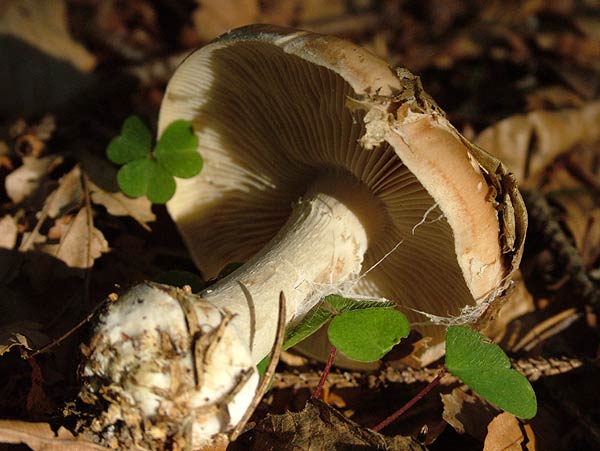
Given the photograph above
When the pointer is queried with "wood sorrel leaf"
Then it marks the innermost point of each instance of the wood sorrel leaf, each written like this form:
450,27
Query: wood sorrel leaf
176,150
341,304
133,177
161,185
308,326
485,368
146,177
367,335
134,142
331,305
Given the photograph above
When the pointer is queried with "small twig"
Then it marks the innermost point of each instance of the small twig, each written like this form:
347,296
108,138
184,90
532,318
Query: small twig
533,368
393,417
266,380
70,332
317,393
90,224
252,312
546,329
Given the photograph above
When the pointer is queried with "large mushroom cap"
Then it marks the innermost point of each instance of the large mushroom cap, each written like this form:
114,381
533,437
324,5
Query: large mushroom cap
274,109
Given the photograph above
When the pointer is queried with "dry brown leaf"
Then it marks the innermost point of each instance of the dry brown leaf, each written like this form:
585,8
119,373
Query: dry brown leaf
214,17
505,433
315,10
466,413
552,97
67,196
43,66
43,24
24,180
517,302
40,437
527,143
117,204
23,333
8,341
80,245
581,210
8,232
321,427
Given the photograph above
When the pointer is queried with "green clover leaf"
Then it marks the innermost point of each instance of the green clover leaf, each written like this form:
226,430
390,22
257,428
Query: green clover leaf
380,328
152,173
176,150
369,334
485,368
133,142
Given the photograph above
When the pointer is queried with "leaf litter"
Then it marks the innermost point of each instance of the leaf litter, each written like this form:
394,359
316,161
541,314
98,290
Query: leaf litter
522,76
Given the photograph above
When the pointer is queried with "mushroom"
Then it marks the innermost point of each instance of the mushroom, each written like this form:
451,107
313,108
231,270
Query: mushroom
326,171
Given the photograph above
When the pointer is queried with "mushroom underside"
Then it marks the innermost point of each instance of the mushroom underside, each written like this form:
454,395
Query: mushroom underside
269,124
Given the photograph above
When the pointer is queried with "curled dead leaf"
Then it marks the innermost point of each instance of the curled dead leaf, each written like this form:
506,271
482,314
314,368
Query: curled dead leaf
214,17
506,433
117,204
68,194
466,412
8,232
321,427
527,143
40,61
26,179
40,437
80,244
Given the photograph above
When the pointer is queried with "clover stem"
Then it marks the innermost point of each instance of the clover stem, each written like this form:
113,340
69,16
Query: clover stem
317,393
393,417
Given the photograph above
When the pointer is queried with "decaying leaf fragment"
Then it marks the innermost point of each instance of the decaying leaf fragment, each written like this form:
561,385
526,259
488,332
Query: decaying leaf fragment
505,433
24,180
80,244
527,143
8,232
68,194
40,437
466,412
321,427
117,204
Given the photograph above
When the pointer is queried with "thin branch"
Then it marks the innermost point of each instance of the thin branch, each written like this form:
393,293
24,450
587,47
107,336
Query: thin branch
533,368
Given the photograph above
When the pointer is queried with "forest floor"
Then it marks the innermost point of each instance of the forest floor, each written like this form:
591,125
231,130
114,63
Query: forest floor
520,78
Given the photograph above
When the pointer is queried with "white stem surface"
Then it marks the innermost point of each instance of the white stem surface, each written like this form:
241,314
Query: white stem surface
177,365
321,245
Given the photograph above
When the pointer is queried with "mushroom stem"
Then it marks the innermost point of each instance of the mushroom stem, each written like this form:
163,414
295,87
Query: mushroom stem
320,246
172,364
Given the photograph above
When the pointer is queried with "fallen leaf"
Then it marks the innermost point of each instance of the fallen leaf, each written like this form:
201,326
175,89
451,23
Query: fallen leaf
505,433
118,204
41,62
516,303
40,437
26,179
80,245
321,427
43,24
8,232
315,10
580,207
10,340
22,333
466,413
528,143
67,195
214,17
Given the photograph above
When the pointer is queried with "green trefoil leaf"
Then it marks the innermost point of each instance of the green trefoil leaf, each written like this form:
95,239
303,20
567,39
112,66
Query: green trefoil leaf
484,367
